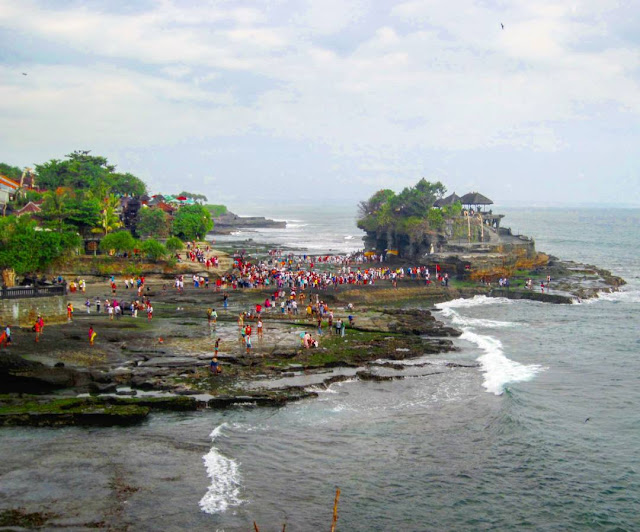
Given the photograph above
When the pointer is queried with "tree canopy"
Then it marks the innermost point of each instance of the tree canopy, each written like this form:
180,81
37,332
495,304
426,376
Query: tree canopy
119,242
195,197
152,249
12,172
26,248
153,222
410,211
192,222
83,171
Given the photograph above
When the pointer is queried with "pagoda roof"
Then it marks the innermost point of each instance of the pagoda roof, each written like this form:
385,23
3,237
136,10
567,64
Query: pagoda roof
449,200
475,198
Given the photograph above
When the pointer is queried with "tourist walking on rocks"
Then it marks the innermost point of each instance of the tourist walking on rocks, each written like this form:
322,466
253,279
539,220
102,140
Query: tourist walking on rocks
225,301
92,335
69,311
217,346
149,311
259,327
5,337
247,340
98,304
38,329
87,304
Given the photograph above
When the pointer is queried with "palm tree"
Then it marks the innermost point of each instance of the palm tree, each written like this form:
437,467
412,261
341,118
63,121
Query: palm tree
109,216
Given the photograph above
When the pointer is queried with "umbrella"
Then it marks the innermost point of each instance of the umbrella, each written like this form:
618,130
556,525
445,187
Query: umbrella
392,252
182,198
369,253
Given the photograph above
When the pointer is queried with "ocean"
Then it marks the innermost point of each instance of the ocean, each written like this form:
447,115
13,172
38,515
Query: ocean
536,428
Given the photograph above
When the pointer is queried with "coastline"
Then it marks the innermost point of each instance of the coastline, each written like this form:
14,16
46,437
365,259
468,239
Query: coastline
168,356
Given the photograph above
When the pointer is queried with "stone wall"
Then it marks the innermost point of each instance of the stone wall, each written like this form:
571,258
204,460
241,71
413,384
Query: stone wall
23,312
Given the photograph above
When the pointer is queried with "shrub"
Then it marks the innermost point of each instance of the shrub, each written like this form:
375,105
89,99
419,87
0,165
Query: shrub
174,244
152,249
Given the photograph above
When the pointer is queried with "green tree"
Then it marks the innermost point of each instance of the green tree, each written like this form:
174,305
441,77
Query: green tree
195,197
55,208
174,244
82,171
84,214
153,222
217,210
109,217
152,249
192,222
12,172
26,248
119,242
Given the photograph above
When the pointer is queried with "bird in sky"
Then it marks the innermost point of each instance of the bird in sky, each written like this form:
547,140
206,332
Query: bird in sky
24,73
501,24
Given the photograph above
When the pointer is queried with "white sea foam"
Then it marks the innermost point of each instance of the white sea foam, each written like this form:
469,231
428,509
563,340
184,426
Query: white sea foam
475,301
457,319
224,490
628,296
499,370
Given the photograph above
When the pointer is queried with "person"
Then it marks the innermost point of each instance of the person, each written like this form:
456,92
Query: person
217,346
338,326
225,301
214,316
3,339
149,311
110,311
87,304
247,340
209,315
69,311
7,332
259,327
215,365
542,286
98,304
38,329
92,335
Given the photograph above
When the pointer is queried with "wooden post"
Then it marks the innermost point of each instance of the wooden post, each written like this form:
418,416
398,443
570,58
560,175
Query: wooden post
335,511
255,527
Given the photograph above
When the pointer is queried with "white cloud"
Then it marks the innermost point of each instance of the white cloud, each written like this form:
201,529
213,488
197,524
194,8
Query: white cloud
422,76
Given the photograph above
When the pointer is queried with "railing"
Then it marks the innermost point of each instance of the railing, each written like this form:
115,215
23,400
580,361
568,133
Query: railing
18,292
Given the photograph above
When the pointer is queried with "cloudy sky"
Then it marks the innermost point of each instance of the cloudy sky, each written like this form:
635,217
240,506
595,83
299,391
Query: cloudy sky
331,100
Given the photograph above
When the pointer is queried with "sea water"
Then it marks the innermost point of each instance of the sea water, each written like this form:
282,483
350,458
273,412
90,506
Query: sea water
536,426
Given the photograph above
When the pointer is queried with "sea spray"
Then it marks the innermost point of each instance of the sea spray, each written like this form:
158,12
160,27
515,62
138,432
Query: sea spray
499,370
224,490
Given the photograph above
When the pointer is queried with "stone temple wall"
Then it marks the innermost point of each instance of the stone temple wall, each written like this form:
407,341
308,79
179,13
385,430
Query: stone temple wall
23,312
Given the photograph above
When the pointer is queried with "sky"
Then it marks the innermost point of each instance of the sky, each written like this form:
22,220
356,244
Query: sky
526,101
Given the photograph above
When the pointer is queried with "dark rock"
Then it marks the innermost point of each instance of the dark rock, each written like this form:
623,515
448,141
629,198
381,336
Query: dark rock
368,376
98,387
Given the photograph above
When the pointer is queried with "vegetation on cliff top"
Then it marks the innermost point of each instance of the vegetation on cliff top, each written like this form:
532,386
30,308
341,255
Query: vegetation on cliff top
409,212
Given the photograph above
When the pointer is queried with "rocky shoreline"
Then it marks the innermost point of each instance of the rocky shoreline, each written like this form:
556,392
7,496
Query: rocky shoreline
229,222
139,366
